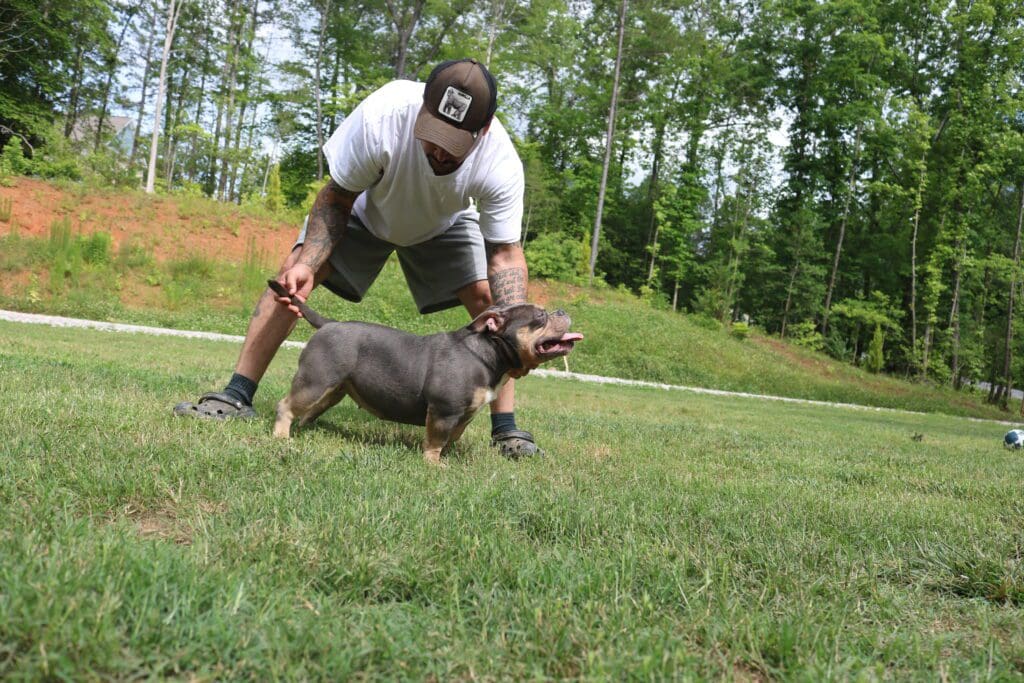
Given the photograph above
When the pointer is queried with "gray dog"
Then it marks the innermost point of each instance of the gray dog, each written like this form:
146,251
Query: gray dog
439,380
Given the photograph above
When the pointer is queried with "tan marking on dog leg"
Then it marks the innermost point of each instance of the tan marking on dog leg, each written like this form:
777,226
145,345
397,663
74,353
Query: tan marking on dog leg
438,433
459,428
283,423
481,397
318,407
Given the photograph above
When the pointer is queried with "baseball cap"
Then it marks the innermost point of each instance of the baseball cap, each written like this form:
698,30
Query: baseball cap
458,102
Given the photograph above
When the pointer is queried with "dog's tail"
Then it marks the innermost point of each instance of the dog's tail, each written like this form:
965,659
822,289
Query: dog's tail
314,318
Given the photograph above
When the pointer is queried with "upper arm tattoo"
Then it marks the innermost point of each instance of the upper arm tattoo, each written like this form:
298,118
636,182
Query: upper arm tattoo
328,221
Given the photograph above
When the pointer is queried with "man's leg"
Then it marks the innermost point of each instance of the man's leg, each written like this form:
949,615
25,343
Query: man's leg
511,441
269,326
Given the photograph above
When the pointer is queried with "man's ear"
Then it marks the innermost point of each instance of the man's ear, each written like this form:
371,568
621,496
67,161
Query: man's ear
492,320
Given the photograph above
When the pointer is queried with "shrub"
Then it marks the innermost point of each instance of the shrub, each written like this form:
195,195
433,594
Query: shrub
133,255
275,198
556,256
96,248
12,159
109,168
192,268
740,330
806,334
876,353
53,168
705,321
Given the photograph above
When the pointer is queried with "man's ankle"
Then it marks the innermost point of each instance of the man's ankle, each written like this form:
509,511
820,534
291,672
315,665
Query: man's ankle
241,388
502,422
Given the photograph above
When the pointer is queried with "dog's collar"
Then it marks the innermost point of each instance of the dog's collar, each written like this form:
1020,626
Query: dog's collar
508,349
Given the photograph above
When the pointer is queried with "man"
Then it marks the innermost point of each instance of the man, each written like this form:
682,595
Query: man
406,167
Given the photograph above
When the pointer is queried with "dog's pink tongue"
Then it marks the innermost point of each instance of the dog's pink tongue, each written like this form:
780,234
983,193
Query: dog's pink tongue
571,337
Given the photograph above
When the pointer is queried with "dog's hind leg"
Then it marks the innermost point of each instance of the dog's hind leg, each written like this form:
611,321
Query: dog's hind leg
305,406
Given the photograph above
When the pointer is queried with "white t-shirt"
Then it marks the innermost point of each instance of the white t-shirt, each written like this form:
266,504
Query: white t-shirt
402,201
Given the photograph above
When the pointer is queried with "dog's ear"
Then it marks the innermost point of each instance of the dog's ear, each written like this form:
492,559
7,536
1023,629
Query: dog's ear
492,320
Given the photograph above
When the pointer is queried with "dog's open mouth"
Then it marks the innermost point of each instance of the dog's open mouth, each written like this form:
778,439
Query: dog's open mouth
560,346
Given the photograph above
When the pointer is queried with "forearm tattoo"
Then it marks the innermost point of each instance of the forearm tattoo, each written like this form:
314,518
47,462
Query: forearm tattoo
508,286
328,221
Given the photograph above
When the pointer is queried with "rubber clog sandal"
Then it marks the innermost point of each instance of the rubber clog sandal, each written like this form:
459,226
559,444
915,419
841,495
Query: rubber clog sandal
515,444
215,406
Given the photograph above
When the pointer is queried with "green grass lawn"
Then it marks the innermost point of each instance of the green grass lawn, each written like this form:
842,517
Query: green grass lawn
666,535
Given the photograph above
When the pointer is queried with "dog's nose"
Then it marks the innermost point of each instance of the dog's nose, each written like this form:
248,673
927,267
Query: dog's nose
559,313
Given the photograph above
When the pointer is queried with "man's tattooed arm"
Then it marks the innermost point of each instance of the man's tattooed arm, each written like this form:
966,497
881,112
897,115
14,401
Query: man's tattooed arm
328,221
506,273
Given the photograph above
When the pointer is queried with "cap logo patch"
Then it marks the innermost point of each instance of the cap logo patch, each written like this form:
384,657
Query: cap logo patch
455,104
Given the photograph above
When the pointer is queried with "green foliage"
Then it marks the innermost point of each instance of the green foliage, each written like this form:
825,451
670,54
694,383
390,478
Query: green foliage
65,256
876,311
274,200
96,248
192,268
876,356
132,255
705,321
806,334
558,256
108,168
740,330
12,159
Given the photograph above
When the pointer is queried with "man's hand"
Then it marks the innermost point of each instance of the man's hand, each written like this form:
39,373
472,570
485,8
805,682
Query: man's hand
298,280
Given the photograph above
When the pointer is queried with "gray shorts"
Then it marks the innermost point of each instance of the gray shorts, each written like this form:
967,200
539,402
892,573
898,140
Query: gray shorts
434,270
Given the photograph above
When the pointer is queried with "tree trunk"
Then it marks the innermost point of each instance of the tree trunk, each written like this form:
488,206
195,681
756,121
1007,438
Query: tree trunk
316,90
913,263
851,185
652,196
76,87
172,136
229,108
1008,353
497,18
112,68
246,85
954,320
918,203
789,298
173,11
405,23
595,239
145,83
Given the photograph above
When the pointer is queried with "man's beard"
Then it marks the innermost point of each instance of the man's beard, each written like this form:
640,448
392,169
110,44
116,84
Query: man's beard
442,167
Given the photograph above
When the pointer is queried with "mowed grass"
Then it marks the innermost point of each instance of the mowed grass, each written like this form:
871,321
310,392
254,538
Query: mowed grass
666,535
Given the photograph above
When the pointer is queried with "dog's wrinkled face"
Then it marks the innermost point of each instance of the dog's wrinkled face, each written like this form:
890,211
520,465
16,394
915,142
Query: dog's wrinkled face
538,336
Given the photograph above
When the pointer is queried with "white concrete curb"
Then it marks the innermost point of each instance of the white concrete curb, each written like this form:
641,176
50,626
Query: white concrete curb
56,321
